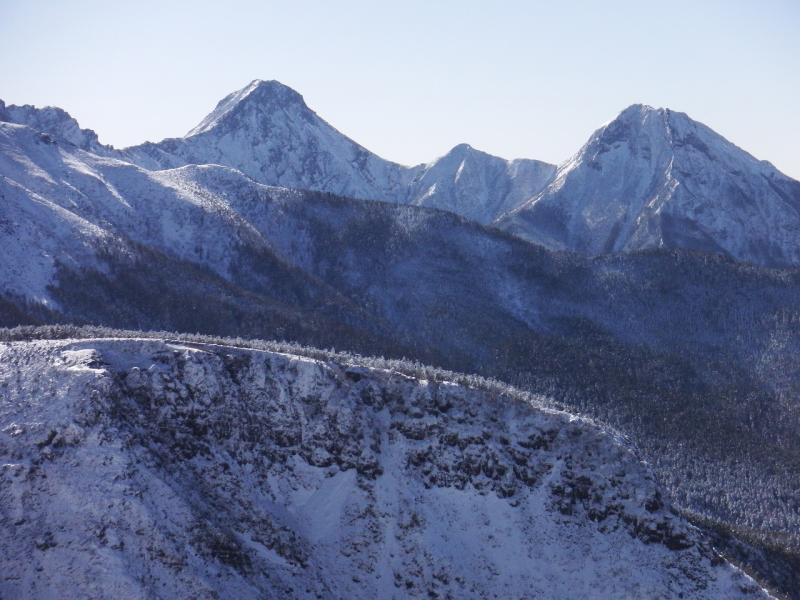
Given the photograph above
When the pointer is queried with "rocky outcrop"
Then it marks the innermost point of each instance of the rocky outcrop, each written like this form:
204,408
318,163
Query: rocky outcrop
135,468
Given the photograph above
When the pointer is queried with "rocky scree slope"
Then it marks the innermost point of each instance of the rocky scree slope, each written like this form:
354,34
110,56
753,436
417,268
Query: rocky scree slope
158,468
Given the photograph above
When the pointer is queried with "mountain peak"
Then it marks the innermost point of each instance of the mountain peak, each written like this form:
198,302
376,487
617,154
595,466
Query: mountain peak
662,121
636,115
461,148
458,152
53,121
258,95
653,178
638,110
260,89
644,129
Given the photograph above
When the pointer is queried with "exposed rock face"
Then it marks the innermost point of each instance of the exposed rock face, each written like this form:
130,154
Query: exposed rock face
147,468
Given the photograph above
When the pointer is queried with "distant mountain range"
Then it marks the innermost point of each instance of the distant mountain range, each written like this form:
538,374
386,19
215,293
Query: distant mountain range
651,178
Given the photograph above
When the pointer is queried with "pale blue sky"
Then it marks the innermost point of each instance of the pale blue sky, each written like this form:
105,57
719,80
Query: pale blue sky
411,79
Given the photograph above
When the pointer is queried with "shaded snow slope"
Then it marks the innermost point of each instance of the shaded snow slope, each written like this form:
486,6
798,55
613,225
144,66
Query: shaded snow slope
655,178
68,213
138,468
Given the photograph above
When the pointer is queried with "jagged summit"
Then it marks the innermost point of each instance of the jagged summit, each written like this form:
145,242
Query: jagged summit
639,109
651,177
54,121
462,148
268,132
258,95
476,184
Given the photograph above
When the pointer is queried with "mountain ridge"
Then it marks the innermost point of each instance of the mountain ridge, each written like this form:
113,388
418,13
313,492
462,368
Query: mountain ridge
651,177
316,479
267,131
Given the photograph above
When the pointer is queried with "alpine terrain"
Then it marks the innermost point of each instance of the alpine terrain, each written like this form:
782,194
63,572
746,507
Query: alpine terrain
145,468
267,131
654,178
644,297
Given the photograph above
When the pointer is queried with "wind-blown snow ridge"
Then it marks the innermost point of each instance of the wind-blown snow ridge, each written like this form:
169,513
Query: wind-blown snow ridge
158,468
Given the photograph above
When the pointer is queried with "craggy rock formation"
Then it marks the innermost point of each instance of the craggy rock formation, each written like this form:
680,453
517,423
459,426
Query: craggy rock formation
146,468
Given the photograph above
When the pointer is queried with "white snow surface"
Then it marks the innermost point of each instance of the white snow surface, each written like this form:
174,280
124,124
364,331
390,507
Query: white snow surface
477,185
656,178
162,469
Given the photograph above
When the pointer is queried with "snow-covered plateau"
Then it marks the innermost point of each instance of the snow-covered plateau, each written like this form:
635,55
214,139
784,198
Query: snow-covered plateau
164,469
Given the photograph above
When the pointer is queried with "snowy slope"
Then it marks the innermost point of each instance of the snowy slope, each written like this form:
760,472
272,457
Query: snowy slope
268,132
64,204
67,214
655,178
205,248
136,468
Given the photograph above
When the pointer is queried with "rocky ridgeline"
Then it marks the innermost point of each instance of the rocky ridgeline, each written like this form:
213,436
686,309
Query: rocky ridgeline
144,467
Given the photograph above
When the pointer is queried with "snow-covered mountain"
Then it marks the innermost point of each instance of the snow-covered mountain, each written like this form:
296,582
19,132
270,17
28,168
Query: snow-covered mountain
66,213
655,178
651,178
53,121
161,469
266,131
477,185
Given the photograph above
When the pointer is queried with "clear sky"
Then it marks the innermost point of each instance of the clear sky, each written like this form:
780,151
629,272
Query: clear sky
410,79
